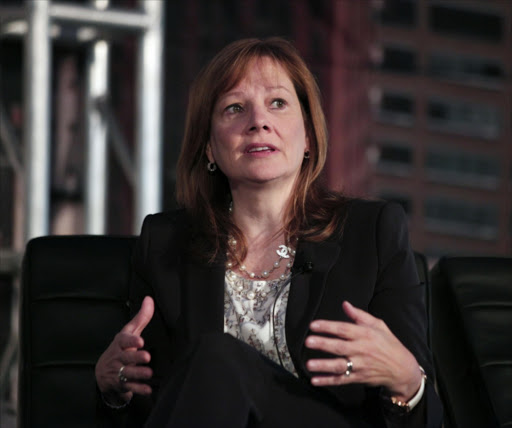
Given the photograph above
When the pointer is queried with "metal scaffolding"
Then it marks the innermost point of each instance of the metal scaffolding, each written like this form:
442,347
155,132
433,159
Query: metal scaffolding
147,23
37,23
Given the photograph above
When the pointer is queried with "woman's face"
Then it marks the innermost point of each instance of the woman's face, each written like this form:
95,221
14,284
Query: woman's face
257,130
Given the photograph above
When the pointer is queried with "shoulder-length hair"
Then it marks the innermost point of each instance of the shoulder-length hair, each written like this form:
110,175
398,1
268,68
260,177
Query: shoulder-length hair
313,212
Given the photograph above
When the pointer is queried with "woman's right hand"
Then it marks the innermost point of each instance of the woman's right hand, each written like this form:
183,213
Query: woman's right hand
125,351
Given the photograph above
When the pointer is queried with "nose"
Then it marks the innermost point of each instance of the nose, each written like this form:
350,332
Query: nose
259,119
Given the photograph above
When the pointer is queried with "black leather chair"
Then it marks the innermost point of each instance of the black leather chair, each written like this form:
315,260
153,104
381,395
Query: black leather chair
472,340
74,300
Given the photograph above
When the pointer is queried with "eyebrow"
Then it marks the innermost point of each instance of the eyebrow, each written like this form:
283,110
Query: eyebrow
274,88
268,88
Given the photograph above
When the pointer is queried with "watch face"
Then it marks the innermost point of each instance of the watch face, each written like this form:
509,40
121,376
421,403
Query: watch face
394,406
400,406
397,409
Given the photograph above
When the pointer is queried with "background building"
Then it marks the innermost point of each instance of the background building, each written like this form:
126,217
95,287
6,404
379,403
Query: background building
442,103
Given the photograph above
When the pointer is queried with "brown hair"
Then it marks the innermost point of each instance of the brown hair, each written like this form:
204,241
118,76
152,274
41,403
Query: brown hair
313,212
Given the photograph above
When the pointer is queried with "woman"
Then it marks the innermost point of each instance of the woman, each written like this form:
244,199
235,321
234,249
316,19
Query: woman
318,293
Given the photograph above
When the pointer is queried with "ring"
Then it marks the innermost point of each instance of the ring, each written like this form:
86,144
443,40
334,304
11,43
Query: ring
350,367
121,376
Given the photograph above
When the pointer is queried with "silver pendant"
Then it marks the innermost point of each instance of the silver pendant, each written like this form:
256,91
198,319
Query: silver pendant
283,251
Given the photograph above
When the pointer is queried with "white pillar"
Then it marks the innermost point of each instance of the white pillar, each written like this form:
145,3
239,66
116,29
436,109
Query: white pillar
148,186
96,176
37,112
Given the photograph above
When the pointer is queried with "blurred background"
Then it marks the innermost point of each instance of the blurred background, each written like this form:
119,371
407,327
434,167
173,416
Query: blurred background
417,94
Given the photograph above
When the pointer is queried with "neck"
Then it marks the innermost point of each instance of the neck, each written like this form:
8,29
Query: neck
260,212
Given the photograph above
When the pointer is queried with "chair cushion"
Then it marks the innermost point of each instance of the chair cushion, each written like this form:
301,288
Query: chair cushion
74,300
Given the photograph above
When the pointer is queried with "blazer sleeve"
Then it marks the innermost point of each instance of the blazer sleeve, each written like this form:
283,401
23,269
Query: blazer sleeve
399,300
137,411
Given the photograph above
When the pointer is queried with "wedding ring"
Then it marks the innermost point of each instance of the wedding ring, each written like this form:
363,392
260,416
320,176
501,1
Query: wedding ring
350,366
121,376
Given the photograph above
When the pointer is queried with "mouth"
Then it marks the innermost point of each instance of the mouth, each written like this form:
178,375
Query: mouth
257,148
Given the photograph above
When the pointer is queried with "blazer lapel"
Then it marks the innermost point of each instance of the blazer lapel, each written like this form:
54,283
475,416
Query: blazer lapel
306,291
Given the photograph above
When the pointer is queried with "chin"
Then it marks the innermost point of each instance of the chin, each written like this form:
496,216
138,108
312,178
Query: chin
271,179
263,176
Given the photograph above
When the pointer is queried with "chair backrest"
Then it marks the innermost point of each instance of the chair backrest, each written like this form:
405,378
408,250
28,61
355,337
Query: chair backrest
472,339
74,300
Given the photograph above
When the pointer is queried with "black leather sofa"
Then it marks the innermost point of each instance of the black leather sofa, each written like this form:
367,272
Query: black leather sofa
74,300
471,326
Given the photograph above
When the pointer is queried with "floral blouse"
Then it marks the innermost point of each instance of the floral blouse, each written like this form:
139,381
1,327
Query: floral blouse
255,313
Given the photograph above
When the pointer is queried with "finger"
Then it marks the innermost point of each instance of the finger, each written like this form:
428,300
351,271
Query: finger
361,317
330,380
135,357
332,366
143,317
139,388
343,330
337,347
127,341
135,373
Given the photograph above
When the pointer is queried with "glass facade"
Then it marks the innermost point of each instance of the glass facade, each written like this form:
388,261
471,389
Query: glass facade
396,108
463,117
401,13
462,168
465,69
461,217
395,158
458,19
399,59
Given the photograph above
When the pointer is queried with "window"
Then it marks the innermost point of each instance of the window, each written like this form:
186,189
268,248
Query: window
461,217
458,20
465,69
395,158
398,59
398,12
462,168
465,118
396,108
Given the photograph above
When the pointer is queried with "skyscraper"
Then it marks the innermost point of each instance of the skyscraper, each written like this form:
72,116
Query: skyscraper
442,135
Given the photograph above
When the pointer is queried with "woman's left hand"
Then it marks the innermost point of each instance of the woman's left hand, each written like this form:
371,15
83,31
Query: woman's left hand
378,357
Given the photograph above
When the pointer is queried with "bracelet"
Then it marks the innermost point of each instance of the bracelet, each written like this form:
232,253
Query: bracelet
114,406
406,406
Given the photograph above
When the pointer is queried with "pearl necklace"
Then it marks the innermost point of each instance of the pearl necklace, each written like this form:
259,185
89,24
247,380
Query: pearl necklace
283,251
252,289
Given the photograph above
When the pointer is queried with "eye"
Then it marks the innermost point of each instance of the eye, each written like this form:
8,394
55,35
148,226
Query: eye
234,108
278,103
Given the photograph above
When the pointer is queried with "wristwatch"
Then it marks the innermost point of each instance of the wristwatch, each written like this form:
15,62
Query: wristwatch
399,407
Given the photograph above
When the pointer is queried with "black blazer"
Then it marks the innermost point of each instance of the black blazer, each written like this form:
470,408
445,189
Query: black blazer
371,265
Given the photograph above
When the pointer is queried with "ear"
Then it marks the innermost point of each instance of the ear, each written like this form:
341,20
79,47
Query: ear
209,153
